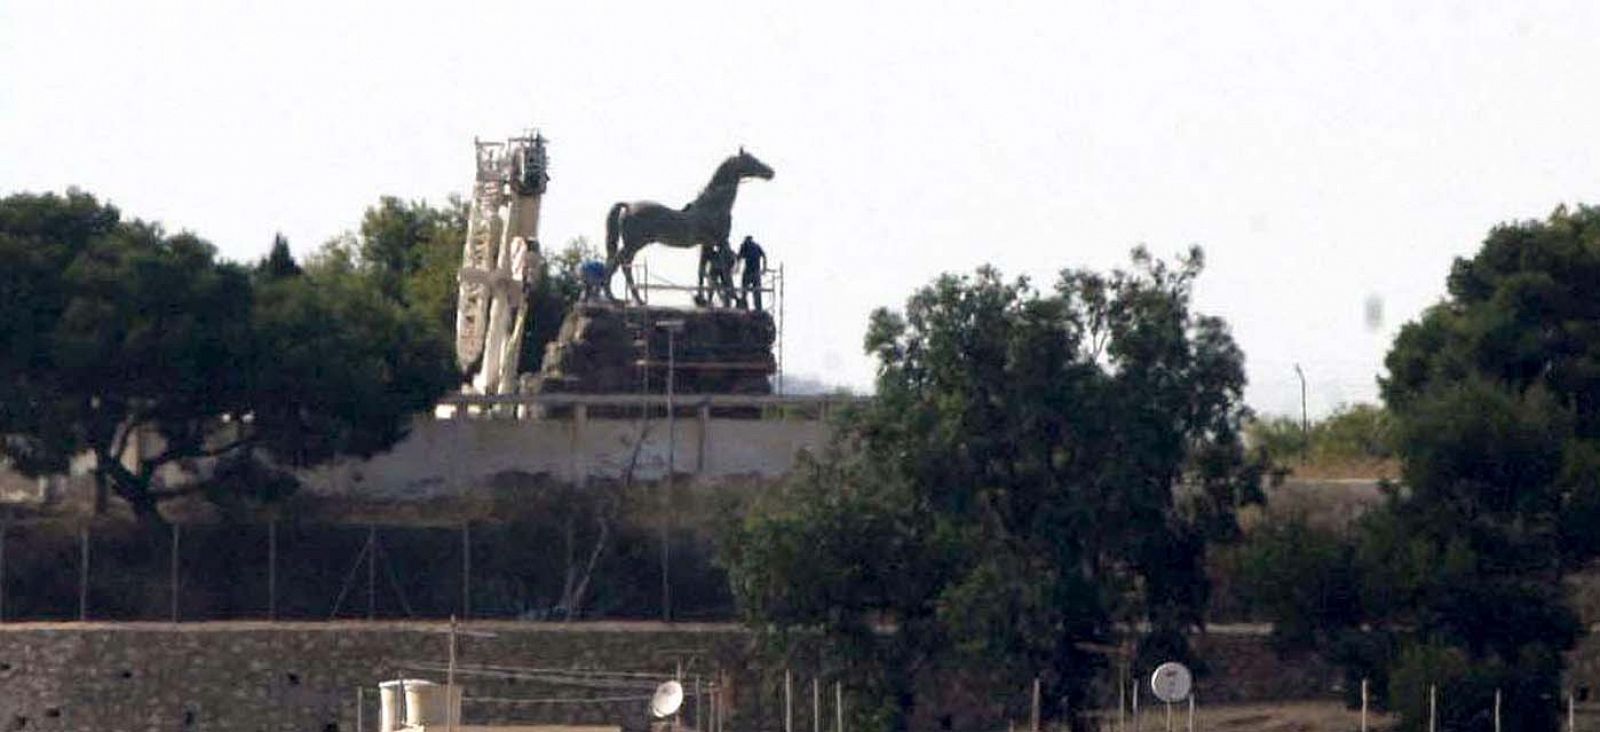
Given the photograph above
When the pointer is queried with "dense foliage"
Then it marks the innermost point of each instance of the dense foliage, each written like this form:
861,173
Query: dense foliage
144,350
411,252
1352,434
1494,396
1037,470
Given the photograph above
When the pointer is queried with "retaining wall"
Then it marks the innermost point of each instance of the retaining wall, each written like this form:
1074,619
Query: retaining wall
446,458
303,676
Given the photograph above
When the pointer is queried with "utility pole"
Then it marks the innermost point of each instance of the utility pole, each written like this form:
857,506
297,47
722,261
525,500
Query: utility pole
672,327
1305,421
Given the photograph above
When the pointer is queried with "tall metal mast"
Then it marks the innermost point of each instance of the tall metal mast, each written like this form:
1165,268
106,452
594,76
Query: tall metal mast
500,261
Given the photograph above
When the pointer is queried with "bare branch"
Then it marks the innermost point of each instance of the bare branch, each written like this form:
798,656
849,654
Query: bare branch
171,493
188,449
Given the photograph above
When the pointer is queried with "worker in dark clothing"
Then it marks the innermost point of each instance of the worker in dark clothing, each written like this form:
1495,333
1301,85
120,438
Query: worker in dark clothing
723,276
753,262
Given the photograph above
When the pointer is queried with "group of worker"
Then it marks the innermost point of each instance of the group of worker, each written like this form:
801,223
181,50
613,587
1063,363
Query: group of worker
720,263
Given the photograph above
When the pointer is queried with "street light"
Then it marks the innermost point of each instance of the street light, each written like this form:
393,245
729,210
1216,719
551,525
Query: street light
1305,422
673,327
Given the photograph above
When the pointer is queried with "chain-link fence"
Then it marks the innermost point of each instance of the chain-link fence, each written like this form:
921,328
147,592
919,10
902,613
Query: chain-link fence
299,571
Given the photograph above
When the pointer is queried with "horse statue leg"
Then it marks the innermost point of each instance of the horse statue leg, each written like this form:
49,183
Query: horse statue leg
627,276
615,259
725,274
702,293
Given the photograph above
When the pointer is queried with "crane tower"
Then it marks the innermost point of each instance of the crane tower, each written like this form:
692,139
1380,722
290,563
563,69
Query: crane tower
500,261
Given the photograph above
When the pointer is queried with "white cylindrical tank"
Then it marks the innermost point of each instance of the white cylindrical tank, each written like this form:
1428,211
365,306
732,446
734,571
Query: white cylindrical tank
389,706
424,702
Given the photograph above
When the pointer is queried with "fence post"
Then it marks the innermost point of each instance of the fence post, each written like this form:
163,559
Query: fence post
466,573
788,701
1138,722
1433,708
838,705
372,571
174,578
1363,705
1033,713
272,568
83,573
816,705
1122,698
1496,710
5,523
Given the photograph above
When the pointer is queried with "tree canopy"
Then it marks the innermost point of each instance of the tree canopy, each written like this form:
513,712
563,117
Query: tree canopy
1494,406
1037,469
144,350
410,251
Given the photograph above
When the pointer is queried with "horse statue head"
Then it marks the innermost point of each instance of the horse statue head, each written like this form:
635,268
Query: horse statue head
737,168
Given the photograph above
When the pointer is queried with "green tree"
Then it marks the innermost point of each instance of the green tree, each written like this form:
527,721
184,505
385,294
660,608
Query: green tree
1352,434
411,251
1036,469
1497,407
279,262
143,350
560,287
1492,398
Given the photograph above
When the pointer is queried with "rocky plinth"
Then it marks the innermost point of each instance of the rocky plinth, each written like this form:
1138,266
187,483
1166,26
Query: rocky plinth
607,348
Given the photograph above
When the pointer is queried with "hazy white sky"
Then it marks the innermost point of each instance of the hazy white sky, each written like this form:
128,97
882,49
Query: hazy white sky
1322,153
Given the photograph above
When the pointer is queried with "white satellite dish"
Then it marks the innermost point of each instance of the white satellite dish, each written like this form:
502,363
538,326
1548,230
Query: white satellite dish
1171,682
667,699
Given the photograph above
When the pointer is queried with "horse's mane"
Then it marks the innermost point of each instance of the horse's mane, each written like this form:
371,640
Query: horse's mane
725,174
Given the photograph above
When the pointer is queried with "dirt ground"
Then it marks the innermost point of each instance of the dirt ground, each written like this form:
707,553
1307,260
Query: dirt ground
1282,717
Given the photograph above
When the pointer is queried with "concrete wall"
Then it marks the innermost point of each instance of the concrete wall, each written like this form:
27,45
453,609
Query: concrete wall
449,458
445,458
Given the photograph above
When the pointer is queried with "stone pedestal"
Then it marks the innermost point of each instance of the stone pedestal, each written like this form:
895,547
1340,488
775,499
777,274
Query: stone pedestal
606,348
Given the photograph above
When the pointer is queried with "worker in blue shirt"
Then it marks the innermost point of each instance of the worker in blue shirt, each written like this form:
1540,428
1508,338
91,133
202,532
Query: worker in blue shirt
593,275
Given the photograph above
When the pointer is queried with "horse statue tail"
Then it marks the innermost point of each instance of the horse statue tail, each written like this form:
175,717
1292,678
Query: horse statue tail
614,231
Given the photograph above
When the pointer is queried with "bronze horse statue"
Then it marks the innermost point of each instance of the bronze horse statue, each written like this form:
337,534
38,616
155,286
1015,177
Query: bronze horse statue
704,223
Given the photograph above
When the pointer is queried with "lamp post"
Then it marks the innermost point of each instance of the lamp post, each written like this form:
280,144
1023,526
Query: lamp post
1305,421
673,328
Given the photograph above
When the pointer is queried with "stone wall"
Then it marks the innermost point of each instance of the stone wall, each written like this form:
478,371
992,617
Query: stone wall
304,676
604,348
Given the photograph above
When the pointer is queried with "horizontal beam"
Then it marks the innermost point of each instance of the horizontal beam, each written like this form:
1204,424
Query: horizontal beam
652,400
763,366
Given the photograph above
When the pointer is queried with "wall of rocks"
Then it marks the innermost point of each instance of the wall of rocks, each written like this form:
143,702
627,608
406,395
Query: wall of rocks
258,676
304,676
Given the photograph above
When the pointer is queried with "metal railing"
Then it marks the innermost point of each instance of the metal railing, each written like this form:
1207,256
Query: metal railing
818,406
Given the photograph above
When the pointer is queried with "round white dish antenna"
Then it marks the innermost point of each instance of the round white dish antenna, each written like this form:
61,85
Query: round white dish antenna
1171,682
667,699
